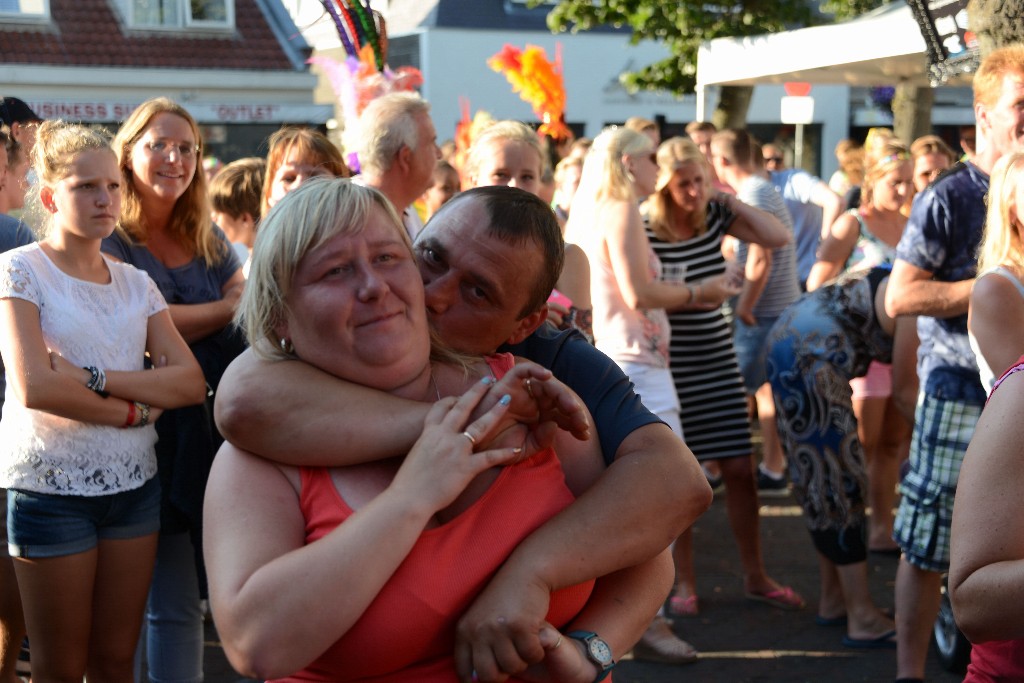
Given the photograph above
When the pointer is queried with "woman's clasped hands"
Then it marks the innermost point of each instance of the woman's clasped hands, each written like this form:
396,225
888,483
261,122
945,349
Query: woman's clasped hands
451,453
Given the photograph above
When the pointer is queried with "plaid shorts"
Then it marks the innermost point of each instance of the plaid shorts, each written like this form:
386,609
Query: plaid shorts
942,430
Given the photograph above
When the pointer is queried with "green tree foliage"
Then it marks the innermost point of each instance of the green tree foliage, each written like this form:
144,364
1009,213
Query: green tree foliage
682,25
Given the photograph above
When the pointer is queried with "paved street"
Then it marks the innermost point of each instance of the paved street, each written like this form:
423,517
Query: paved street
744,641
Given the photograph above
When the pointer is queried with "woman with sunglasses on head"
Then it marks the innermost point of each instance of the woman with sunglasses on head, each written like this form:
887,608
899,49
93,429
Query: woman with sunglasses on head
165,229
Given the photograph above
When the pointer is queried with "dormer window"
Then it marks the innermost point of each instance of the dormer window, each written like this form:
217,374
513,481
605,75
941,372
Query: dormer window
24,10
178,14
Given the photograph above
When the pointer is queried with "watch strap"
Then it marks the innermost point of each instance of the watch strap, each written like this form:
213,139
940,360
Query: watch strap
585,637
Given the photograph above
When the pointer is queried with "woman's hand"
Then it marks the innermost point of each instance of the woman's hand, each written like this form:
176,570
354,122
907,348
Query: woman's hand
232,294
557,313
63,366
712,291
442,462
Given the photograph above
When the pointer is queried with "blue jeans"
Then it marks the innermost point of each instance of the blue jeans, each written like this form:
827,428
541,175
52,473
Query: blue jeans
173,628
749,342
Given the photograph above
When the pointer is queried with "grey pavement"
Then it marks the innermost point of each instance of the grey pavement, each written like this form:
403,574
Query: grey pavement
743,641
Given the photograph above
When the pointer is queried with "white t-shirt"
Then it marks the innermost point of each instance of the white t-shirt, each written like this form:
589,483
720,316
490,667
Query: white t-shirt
88,324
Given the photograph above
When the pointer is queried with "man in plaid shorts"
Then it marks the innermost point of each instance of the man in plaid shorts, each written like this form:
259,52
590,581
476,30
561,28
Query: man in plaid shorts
932,278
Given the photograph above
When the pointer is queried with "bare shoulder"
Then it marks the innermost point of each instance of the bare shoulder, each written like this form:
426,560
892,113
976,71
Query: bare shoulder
243,473
991,286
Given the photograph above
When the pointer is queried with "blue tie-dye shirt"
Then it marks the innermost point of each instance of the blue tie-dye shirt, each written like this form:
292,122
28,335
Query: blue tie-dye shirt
942,237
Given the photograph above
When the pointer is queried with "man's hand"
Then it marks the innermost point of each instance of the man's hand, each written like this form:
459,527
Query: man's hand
500,634
538,397
564,661
746,315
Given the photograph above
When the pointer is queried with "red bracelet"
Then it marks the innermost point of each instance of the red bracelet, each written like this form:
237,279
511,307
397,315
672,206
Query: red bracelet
131,416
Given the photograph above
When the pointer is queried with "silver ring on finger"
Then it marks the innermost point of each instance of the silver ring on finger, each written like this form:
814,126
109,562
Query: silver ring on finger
529,387
472,439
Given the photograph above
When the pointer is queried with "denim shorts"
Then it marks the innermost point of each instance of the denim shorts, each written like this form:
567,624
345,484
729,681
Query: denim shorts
750,343
45,525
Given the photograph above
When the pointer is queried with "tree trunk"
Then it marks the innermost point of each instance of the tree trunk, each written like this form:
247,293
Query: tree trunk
912,111
733,103
996,23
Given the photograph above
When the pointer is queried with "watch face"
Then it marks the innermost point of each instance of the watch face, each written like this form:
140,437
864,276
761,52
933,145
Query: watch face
600,651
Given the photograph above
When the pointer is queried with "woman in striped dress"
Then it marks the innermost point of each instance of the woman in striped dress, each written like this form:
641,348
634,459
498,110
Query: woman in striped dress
685,226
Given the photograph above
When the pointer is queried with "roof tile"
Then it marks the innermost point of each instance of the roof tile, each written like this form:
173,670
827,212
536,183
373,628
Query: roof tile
88,33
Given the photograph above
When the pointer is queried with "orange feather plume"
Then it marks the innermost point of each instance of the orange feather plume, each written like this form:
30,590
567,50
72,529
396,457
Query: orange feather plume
539,82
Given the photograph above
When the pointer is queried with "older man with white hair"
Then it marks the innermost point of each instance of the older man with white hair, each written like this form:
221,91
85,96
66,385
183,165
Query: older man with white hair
396,143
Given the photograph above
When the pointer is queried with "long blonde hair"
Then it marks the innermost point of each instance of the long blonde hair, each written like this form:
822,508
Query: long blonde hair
673,154
604,175
1001,241
190,224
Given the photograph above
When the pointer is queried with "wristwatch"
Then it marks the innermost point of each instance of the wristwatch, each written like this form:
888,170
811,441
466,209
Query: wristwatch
598,651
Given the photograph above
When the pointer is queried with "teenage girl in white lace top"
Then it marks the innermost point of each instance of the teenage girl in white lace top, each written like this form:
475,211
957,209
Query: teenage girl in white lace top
76,438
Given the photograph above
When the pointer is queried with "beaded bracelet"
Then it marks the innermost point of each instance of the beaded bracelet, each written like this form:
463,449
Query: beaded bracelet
97,380
144,411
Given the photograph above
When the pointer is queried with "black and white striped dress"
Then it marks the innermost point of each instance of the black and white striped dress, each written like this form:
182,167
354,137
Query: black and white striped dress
701,355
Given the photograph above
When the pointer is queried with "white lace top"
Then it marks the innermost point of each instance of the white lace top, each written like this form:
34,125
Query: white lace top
88,324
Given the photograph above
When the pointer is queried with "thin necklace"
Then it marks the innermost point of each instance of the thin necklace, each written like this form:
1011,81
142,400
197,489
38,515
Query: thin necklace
434,383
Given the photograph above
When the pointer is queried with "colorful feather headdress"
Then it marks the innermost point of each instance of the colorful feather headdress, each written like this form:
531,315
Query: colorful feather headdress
364,75
539,82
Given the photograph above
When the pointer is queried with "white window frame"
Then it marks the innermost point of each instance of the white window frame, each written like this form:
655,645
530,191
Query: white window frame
43,17
183,18
227,24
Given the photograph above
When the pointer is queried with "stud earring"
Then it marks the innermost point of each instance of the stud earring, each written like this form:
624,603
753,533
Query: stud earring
286,346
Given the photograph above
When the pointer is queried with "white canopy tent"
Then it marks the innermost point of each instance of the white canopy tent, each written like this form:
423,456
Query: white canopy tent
883,47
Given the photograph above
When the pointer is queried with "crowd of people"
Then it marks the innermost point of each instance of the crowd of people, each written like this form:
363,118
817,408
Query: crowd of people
573,349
